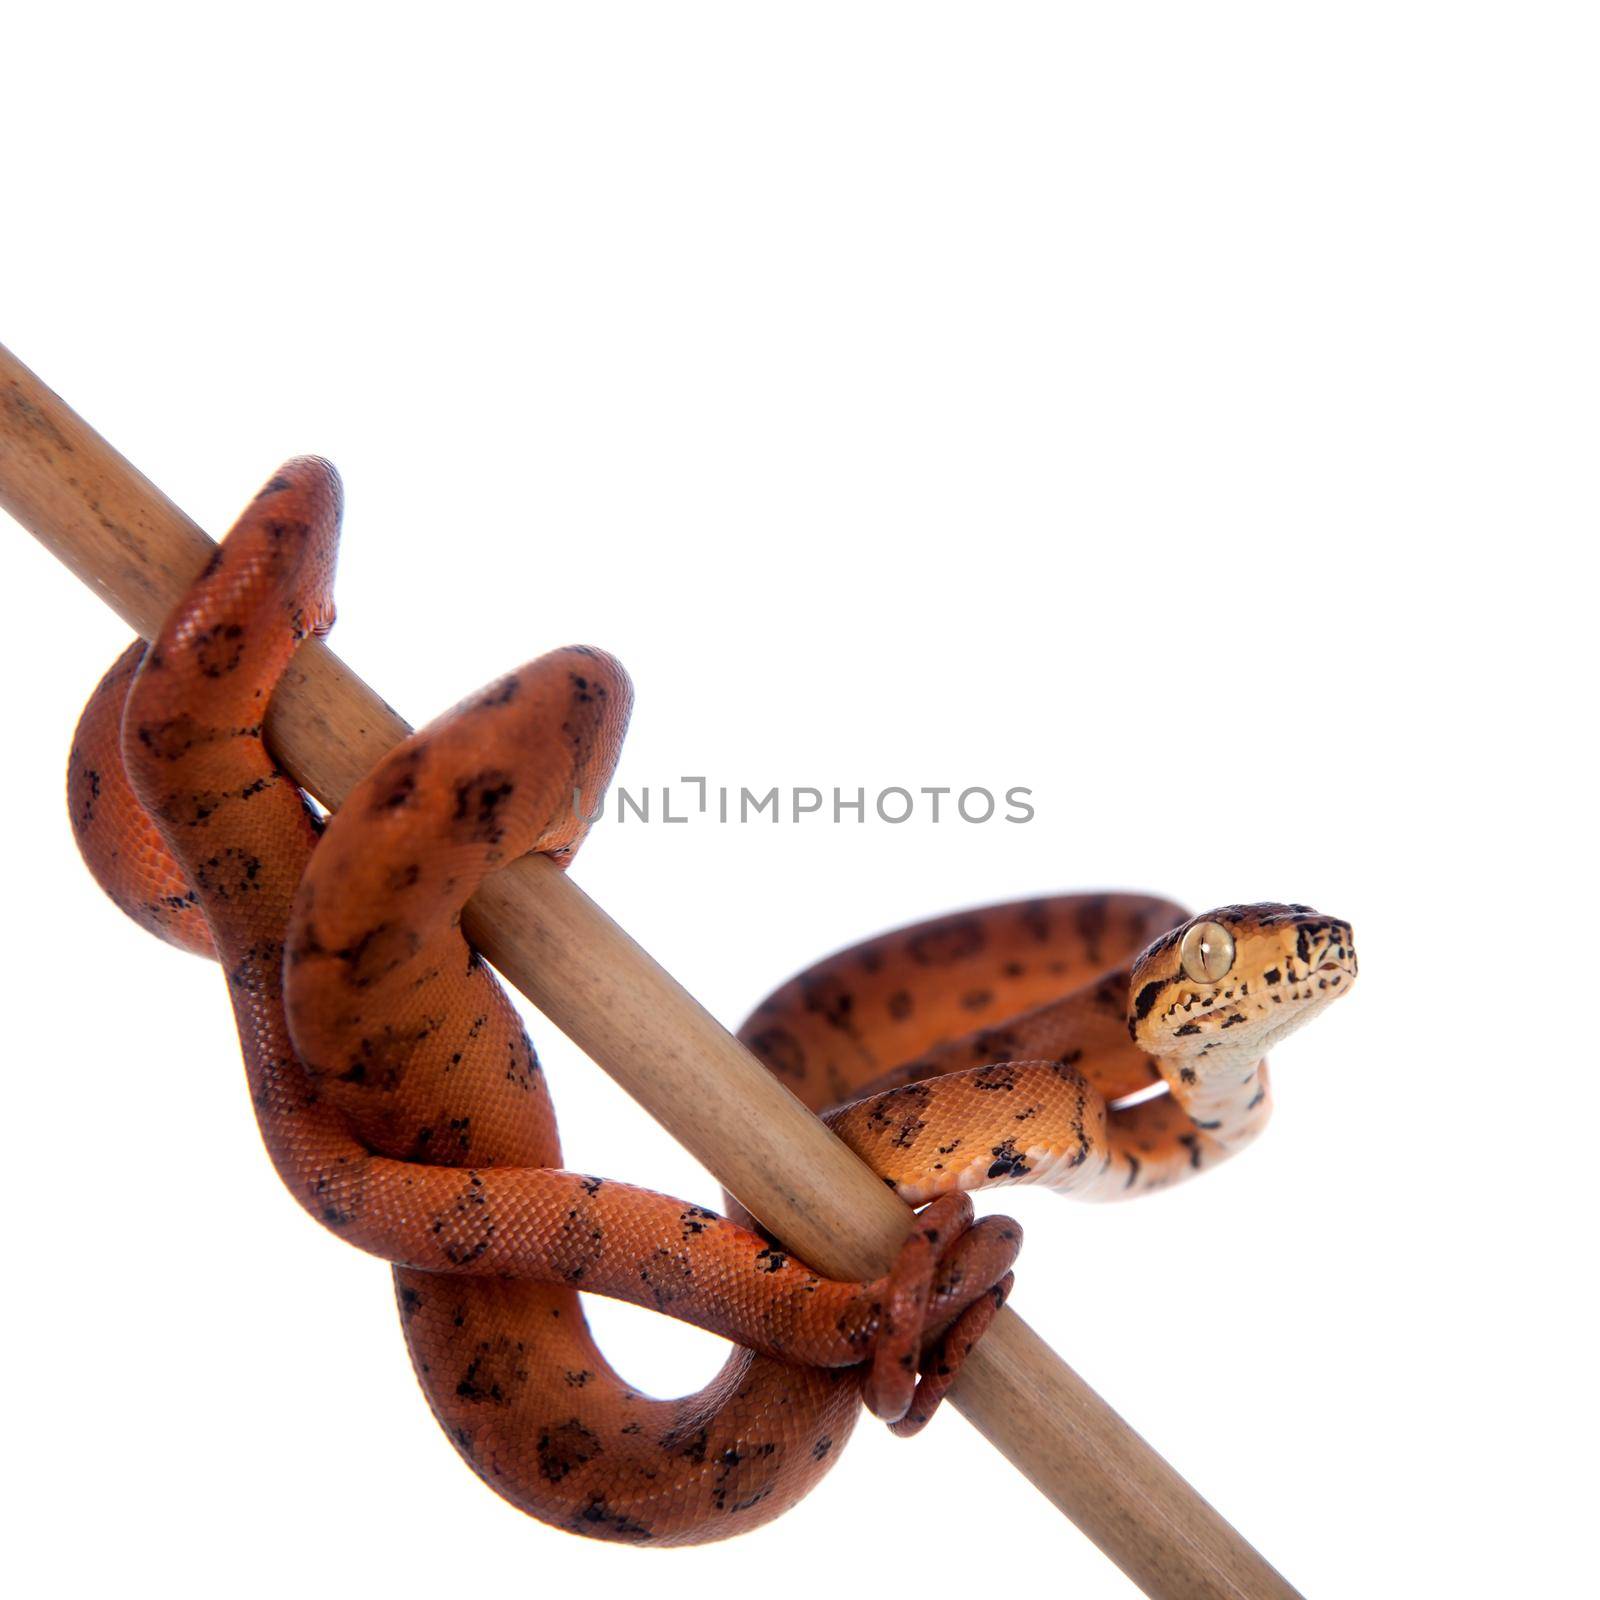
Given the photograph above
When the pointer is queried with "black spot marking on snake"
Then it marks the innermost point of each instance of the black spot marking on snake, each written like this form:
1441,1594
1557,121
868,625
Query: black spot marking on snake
399,793
781,1051
598,1518
219,649
667,1274
995,1045
1145,1004
1007,1163
172,738
947,942
1092,924
332,1214
381,1064
998,1077
377,953
280,528
900,1005
495,1373
229,873
91,779
831,1000
478,799
696,1219
900,1110
566,1448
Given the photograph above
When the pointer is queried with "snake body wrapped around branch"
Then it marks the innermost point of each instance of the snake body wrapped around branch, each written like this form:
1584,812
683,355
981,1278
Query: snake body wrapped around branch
1104,1044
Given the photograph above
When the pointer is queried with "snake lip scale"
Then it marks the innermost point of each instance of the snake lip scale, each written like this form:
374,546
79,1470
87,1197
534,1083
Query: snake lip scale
1108,1045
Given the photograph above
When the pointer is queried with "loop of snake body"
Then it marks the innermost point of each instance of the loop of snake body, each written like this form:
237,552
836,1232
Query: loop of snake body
1106,1045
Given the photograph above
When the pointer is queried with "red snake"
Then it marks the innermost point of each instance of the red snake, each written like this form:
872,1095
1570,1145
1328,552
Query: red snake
403,1105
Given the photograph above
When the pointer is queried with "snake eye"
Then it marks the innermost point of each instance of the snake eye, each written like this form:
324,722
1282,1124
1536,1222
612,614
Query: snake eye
1206,952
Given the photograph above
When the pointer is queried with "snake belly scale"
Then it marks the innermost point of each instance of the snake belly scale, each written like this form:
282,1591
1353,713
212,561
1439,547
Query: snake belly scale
1103,1044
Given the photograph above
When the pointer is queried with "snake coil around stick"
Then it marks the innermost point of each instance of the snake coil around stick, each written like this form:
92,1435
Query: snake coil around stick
138,553
403,1105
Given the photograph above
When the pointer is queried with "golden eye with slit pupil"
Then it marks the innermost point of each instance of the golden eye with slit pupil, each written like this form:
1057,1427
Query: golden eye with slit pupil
1206,952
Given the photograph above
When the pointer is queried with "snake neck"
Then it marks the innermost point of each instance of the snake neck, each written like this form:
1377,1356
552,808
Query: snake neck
1221,1089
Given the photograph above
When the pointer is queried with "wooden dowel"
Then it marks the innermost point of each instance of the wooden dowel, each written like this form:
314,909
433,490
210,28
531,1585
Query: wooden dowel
135,548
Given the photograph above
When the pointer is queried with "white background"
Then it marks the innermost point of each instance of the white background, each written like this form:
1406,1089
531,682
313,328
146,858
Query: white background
1186,411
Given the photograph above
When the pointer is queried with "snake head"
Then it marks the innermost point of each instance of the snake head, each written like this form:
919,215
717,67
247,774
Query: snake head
1230,984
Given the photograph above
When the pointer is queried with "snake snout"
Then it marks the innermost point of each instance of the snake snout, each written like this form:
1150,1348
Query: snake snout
1338,952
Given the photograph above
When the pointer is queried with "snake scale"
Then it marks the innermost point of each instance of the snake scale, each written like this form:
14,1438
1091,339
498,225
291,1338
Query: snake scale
1106,1045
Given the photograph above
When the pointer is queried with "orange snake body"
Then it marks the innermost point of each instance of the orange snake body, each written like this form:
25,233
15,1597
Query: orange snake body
402,1104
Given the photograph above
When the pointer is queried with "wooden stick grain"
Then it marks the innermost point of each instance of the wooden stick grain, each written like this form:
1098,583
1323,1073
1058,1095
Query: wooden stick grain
136,549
